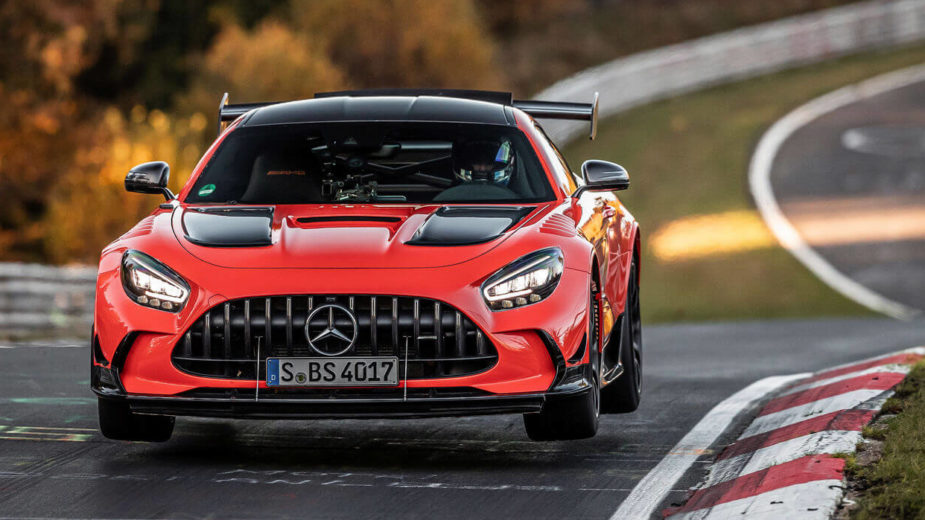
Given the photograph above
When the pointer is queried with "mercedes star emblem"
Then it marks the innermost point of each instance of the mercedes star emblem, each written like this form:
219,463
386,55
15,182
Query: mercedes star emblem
323,334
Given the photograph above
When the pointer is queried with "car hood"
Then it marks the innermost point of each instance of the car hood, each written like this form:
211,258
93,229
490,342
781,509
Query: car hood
345,236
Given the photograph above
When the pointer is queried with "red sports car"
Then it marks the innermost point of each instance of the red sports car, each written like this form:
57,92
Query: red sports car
386,253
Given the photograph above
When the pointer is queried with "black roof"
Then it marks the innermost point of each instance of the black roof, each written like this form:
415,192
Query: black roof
372,106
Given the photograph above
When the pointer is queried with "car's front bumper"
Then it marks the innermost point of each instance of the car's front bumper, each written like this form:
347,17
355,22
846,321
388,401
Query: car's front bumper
534,343
259,403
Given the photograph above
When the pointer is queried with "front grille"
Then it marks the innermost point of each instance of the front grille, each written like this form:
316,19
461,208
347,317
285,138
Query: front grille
234,339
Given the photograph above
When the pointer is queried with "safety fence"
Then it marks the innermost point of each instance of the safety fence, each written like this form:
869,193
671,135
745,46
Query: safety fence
40,299
750,51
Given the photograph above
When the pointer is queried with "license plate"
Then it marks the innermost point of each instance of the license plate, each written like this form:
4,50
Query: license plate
341,371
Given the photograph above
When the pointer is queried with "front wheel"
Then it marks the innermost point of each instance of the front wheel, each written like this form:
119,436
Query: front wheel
118,422
572,417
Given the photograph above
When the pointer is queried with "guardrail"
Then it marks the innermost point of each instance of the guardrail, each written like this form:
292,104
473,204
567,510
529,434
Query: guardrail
43,299
750,51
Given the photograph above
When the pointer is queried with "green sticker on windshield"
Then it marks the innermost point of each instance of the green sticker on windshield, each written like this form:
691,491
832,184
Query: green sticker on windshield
206,190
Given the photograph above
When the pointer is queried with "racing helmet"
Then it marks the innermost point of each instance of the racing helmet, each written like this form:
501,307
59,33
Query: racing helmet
484,161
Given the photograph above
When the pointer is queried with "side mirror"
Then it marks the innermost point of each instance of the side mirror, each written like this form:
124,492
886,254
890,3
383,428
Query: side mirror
149,177
603,175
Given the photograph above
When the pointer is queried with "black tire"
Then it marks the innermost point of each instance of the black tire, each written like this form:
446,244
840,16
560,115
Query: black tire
118,422
623,394
573,417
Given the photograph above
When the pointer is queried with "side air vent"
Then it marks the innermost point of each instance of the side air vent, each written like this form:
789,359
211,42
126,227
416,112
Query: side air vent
143,227
558,224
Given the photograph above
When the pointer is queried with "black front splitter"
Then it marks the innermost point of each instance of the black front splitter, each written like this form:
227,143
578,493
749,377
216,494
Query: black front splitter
569,382
275,408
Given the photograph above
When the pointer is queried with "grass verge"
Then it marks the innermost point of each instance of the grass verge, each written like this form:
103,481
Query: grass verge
894,487
688,156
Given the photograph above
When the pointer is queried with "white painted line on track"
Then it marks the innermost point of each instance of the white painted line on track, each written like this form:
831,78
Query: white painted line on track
759,179
799,501
44,345
652,489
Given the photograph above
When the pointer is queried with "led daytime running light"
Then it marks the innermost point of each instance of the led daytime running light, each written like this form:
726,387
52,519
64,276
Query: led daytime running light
527,280
153,284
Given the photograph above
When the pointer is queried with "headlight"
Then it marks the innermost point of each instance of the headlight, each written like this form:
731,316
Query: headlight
526,280
151,283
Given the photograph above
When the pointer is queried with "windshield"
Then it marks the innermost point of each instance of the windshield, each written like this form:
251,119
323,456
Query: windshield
372,162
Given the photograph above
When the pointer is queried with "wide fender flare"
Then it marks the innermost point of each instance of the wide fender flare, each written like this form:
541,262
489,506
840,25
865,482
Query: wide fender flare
612,305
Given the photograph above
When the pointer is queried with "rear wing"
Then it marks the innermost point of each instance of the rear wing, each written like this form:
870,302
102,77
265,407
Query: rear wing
228,113
563,110
536,109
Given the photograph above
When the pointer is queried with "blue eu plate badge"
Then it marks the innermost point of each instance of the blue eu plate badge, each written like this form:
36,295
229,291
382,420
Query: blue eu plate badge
272,372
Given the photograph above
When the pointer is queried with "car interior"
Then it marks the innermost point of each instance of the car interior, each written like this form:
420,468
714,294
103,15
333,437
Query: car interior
375,163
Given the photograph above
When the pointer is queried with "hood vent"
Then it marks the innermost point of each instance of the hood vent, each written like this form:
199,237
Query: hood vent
352,218
460,226
228,227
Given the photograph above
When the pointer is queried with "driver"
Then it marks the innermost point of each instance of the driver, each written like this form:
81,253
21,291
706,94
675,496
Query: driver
487,162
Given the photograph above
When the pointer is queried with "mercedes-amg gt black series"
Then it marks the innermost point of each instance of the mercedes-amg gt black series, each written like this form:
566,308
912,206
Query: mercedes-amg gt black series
375,254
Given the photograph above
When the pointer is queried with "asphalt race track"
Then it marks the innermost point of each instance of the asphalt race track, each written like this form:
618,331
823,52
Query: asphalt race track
54,464
852,182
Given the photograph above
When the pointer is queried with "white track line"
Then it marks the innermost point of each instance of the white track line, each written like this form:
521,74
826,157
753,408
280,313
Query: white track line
44,345
759,178
652,489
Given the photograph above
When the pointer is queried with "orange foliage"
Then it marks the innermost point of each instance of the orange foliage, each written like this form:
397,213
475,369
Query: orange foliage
272,62
43,45
411,43
87,211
